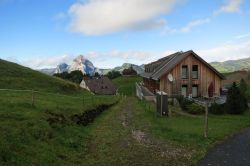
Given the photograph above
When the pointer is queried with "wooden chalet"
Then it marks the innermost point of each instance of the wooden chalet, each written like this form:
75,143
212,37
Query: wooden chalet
183,73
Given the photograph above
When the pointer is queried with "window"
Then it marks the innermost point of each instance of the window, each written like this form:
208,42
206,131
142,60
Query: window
184,72
195,71
195,91
184,90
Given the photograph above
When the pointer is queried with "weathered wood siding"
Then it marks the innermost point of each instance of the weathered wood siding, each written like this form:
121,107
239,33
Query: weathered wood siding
205,77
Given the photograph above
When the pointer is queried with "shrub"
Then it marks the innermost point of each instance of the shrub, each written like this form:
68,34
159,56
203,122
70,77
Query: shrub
195,109
217,109
113,74
74,76
184,103
235,100
243,91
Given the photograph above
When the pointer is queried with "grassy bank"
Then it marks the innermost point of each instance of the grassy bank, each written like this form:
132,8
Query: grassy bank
43,134
126,85
28,138
14,76
188,131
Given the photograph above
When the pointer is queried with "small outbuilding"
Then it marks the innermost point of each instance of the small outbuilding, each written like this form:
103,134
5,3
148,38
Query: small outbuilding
99,85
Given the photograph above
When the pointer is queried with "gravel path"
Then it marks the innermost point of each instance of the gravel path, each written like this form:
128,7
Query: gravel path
235,151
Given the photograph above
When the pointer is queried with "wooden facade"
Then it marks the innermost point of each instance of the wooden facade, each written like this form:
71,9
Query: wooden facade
196,87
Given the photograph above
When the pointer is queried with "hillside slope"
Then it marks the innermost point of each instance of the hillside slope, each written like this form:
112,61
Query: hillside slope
14,76
42,128
232,65
126,84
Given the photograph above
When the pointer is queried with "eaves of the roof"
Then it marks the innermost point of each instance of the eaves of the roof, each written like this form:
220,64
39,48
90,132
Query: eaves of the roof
175,59
209,66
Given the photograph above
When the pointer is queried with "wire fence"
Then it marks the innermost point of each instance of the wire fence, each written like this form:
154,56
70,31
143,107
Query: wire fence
35,98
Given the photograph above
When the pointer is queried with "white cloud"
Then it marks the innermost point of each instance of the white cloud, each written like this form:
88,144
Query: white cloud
193,24
187,28
115,58
38,63
110,59
225,52
97,17
232,6
243,36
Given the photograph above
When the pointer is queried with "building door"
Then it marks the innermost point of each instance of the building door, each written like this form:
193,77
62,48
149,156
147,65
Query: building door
195,91
184,90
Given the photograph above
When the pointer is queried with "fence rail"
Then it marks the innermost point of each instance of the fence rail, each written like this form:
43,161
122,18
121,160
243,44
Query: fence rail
42,96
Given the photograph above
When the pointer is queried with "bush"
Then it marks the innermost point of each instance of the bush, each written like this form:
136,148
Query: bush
217,109
236,101
184,103
113,74
243,91
74,76
195,109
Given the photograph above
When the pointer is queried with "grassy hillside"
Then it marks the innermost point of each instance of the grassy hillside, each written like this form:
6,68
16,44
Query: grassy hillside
232,65
126,85
14,76
46,133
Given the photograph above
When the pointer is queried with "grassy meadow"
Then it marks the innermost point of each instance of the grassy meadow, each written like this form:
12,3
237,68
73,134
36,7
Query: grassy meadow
126,85
129,133
27,136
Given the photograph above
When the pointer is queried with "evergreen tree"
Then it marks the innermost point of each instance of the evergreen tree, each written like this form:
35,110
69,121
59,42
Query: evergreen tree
234,100
97,74
76,76
113,74
243,90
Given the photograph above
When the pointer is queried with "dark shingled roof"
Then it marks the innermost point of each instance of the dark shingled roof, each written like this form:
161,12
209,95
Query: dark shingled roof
101,86
169,62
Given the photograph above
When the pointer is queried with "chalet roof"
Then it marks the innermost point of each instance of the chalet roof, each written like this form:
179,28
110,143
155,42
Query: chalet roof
169,62
101,86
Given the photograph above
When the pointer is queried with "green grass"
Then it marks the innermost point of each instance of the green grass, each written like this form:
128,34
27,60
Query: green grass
28,139
126,85
188,131
14,76
26,136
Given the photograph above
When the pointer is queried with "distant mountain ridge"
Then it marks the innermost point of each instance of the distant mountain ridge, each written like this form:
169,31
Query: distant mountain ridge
87,67
232,65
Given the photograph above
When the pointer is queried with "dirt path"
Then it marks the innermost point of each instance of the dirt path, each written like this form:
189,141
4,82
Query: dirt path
233,152
164,150
116,138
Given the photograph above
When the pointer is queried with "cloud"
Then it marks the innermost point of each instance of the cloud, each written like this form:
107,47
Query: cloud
229,51
243,36
225,52
115,57
38,63
187,28
232,6
98,17
193,24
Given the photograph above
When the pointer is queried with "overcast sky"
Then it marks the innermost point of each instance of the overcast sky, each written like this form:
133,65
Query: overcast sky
45,33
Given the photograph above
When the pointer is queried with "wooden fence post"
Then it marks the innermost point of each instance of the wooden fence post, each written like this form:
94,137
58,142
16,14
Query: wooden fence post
33,99
206,120
83,101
